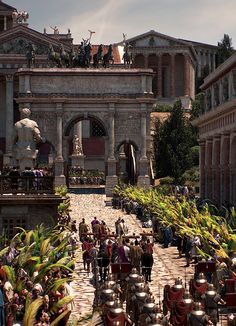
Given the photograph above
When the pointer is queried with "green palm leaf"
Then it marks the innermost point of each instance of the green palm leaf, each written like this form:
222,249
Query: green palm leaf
31,312
60,317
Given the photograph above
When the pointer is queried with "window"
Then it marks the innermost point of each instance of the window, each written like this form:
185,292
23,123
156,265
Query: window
97,129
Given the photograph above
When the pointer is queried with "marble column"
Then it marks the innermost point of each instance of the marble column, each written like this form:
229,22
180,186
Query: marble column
111,178
224,164
186,75
212,97
5,23
214,61
159,76
143,178
144,134
145,61
216,168
172,81
232,167
199,64
59,161
209,61
9,117
208,169
230,85
202,144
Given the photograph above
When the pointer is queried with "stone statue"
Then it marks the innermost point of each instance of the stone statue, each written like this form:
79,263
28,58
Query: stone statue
20,16
77,147
55,29
26,135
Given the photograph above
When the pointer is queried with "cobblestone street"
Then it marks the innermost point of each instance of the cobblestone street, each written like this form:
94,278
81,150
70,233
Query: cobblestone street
167,265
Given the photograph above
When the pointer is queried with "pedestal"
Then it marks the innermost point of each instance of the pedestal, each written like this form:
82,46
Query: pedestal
60,179
111,179
77,160
143,178
111,182
7,160
143,181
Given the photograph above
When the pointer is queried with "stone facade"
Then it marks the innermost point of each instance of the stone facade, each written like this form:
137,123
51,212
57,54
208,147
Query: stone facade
217,135
174,62
27,211
120,99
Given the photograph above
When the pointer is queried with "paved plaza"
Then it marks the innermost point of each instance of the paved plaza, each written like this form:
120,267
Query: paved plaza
167,264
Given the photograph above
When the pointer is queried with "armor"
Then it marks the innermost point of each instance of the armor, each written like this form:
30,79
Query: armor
198,317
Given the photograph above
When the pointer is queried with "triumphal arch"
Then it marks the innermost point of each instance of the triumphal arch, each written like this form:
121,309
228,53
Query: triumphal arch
115,103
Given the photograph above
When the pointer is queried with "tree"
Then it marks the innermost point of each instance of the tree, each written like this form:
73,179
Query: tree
172,145
197,106
225,49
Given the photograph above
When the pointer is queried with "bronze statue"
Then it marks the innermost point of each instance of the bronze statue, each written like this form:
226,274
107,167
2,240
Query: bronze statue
54,57
30,55
108,57
97,57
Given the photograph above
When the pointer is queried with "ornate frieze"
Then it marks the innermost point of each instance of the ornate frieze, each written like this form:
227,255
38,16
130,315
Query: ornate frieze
19,45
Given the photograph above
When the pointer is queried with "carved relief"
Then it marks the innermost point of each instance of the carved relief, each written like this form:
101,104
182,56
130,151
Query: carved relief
45,120
19,46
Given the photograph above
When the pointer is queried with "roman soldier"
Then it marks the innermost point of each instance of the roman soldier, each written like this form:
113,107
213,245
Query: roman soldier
198,316
211,300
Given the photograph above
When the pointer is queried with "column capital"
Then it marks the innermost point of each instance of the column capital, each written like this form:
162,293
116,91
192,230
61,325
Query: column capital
9,78
225,134
111,107
59,109
202,142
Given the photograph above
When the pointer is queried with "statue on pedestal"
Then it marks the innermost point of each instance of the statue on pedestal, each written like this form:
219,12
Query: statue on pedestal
77,146
26,135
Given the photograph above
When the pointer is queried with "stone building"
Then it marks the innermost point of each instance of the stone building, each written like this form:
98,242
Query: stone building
217,135
174,62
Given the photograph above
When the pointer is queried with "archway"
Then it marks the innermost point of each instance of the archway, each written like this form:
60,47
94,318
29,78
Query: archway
126,154
86,167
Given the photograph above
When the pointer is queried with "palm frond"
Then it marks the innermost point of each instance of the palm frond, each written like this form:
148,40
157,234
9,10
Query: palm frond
62,302
31,312
60,317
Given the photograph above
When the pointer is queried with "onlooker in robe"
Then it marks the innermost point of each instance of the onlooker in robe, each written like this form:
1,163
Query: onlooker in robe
83,230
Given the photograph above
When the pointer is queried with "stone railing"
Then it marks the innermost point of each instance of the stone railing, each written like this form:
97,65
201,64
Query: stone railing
220,91
26,185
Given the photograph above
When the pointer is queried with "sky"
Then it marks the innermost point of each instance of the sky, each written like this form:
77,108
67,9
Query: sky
203,21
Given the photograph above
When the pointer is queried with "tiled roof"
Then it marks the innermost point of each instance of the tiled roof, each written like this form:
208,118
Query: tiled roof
116,53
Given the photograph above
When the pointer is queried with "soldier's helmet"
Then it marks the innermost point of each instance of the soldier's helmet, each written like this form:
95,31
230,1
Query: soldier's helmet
201,278
178,283
197,306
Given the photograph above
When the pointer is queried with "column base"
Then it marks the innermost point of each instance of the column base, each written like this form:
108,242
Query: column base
111,182
77,160
60,181
143,181
7,160
111,166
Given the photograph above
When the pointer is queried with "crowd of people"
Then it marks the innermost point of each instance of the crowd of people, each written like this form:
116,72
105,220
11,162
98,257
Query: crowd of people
104,247
35,274
27,180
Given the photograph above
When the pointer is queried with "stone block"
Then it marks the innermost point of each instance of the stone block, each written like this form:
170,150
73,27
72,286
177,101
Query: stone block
111,182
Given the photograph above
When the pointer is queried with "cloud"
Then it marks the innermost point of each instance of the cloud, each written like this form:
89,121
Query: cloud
202,20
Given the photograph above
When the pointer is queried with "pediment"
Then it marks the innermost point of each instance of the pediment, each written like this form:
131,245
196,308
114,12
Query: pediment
15,41
154,39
